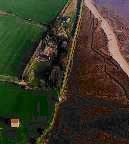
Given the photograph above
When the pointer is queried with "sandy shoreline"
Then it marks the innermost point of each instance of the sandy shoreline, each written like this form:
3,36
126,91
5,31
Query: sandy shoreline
112,40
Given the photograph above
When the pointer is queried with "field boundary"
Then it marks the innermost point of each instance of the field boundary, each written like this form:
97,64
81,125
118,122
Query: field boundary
71,53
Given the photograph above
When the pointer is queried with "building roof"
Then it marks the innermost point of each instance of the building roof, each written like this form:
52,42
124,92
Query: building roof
15,123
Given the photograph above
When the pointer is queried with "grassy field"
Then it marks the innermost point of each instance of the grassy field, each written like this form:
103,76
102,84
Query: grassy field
16,102
17,38
38,10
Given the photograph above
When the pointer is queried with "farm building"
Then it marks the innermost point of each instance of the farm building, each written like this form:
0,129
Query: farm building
15,123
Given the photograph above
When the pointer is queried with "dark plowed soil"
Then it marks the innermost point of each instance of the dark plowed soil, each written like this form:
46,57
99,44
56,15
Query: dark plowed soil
96,109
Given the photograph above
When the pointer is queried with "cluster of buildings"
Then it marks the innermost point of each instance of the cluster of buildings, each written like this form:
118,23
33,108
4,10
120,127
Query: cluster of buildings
54,45
53,42
48,50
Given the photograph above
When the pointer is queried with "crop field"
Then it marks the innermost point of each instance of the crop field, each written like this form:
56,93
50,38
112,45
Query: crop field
17,35
21,102
42,11
16,42
16,102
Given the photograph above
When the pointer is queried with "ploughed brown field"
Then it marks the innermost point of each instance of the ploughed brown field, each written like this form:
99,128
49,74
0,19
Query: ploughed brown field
96,106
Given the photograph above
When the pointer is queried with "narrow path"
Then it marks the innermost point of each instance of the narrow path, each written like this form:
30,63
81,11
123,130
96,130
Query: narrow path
112,40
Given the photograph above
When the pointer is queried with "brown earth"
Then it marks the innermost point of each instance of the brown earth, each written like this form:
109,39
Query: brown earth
94,72
96,106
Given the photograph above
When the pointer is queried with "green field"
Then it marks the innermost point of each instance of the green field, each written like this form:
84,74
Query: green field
18,36
16,102
16,43
42,11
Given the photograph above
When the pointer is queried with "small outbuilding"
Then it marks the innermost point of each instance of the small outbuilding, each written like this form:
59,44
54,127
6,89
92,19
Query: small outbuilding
15,123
